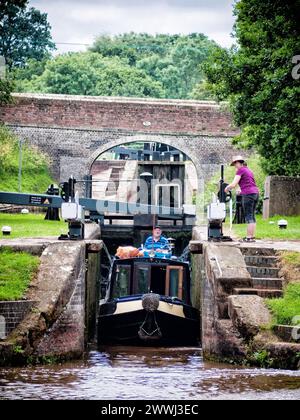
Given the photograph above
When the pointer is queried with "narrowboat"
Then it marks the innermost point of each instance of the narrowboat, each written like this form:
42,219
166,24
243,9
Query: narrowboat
148,301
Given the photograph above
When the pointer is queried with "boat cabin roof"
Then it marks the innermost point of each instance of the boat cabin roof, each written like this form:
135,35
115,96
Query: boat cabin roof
138,276
151,261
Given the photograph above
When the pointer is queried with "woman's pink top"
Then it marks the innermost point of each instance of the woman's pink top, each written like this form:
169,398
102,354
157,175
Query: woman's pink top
247,183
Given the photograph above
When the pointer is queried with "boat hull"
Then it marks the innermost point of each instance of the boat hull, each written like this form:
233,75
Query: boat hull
130,324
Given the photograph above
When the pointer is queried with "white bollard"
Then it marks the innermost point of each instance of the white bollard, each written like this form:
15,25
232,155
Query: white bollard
6,230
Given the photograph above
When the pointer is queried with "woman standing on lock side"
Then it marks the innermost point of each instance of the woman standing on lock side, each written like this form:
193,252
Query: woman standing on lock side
246,186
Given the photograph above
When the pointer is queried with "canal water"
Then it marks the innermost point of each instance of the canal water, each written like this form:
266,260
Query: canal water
147,373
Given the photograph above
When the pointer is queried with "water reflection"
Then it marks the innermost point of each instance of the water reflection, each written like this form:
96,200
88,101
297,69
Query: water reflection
146,373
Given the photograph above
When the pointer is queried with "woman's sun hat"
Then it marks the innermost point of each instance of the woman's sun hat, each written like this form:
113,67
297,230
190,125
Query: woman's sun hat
237,158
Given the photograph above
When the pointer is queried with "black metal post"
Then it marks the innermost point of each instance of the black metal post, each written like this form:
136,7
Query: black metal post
222,194
88,182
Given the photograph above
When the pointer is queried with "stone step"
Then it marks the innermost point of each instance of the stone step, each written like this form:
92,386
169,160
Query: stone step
263,293
288,333
256,251
261,261
269,272
267,283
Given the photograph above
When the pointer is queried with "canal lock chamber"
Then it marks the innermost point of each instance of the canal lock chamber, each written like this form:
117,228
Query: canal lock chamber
181,241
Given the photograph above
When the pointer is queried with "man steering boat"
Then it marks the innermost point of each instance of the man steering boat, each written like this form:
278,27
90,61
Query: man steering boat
157,241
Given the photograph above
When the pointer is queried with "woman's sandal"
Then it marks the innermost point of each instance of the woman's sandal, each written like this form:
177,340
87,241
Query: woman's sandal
248,240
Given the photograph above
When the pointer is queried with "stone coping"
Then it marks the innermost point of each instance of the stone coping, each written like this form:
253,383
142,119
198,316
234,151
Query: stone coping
200,235
116,99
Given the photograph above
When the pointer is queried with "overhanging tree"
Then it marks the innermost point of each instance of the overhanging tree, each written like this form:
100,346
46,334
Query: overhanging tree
24,33
256,78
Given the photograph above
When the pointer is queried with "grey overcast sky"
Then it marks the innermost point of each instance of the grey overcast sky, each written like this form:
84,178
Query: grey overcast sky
75,21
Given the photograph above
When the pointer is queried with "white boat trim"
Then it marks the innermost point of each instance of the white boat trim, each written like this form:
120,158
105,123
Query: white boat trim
136,305
130,306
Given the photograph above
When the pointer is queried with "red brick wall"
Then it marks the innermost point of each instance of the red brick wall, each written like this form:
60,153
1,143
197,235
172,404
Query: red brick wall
129,114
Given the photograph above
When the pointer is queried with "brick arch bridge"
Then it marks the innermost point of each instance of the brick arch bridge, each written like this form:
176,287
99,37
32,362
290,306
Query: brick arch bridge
75,130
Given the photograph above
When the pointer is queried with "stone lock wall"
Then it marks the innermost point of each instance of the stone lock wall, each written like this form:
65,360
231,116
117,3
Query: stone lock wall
76,324
62,318
282,196
74,130
225,270
236,323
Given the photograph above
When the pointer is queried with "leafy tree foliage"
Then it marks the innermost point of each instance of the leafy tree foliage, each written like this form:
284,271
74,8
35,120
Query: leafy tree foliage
164,66
257,79
203,91
24,33
6,87
90,74
172,60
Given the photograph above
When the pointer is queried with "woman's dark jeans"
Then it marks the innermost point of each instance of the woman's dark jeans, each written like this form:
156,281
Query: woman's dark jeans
249,202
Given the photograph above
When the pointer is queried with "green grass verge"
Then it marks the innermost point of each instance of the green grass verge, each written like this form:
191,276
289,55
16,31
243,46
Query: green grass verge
287,308
292,259
31,226
35,166
17,270
265,230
